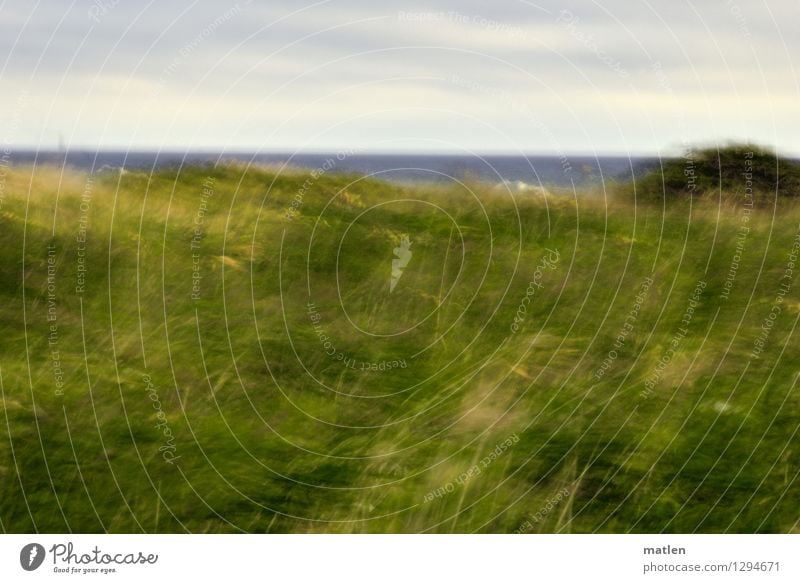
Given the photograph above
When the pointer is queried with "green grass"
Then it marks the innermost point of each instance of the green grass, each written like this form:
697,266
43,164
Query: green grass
275,435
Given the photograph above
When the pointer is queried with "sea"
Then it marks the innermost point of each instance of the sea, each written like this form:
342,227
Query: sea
515,170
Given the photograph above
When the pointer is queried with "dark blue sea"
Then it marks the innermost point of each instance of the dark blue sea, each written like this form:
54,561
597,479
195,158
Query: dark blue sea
401,168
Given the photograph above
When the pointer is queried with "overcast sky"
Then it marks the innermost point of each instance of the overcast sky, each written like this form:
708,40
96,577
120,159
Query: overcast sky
613,76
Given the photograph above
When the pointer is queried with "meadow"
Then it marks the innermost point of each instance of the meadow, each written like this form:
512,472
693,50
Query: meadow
249,349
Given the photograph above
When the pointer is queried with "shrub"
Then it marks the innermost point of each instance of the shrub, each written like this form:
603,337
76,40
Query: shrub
737,171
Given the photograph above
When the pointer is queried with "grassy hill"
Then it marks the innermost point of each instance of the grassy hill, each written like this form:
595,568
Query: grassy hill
218,349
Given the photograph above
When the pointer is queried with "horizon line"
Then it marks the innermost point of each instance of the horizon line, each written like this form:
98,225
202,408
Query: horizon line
9,150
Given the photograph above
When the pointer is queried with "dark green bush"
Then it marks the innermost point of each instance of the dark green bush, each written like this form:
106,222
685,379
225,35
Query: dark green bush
737,170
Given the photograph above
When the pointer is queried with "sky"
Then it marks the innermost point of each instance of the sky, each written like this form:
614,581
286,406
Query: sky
504,76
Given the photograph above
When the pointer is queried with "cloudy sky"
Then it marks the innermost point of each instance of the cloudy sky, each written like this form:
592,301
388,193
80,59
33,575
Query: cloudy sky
611,76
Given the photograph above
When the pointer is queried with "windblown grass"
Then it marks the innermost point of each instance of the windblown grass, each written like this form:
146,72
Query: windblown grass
272,434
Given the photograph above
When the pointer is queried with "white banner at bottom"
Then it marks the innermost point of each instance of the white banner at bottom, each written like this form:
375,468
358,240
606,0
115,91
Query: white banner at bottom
396,558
